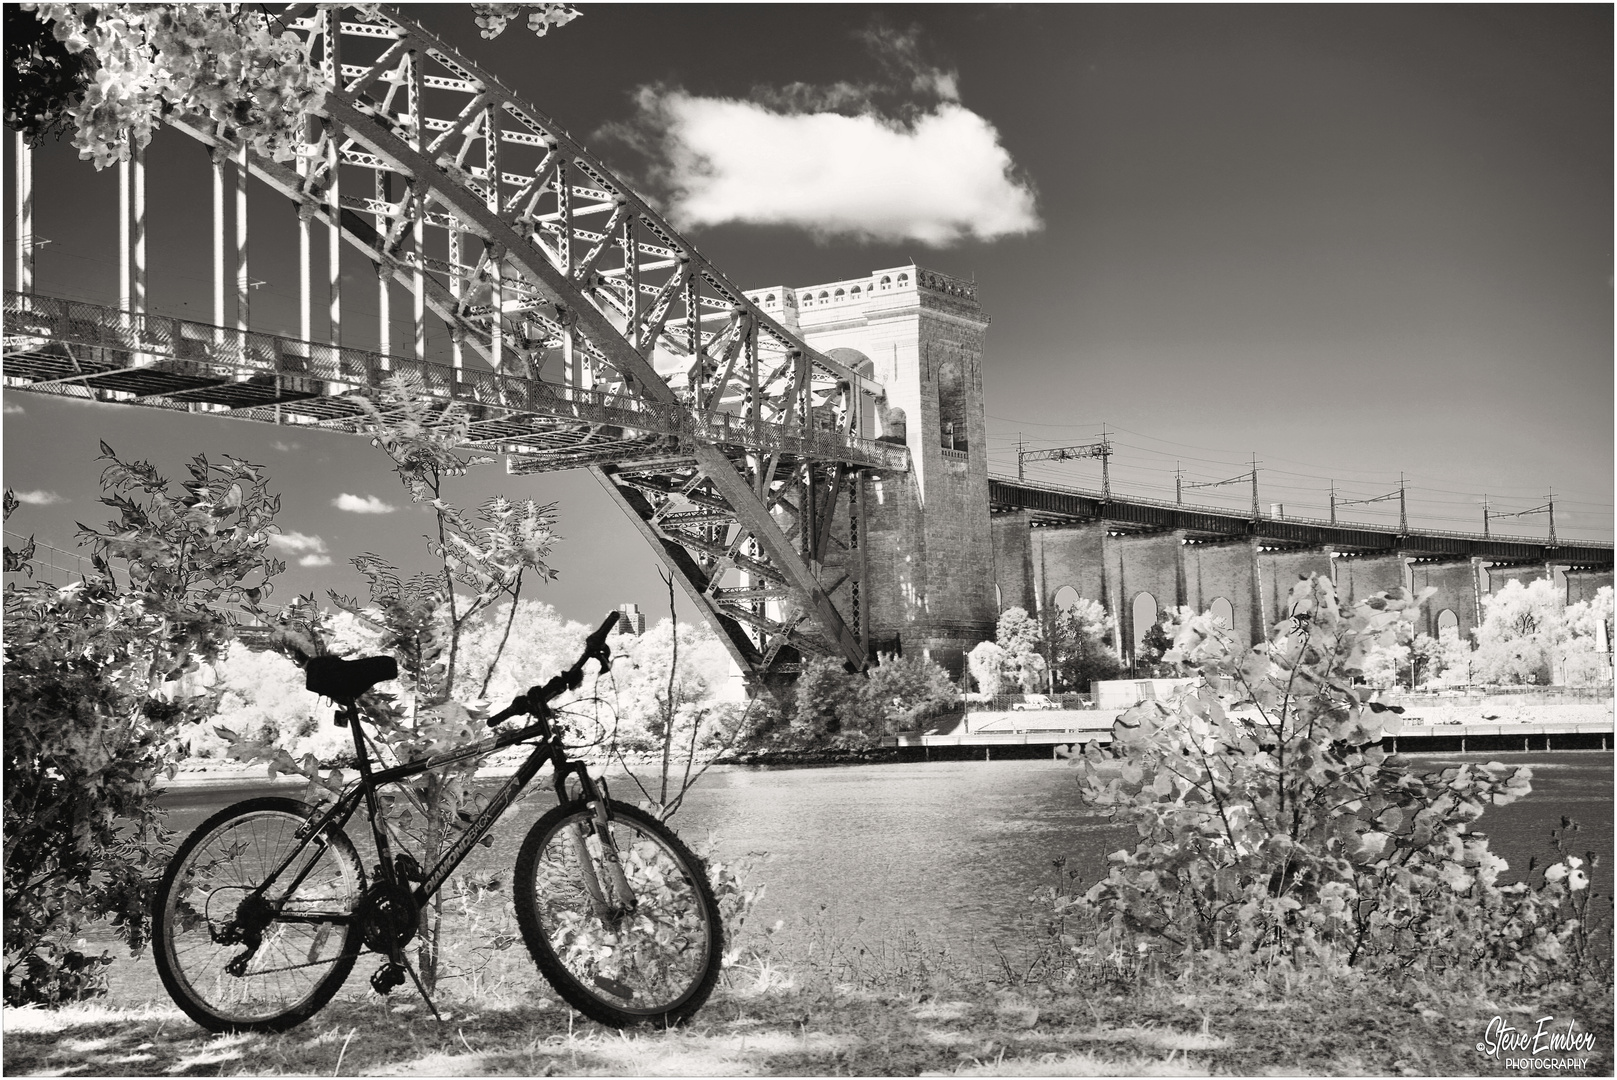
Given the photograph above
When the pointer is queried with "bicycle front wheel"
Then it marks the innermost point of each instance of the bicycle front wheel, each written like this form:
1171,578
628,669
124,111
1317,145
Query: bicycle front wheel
637,943
239,956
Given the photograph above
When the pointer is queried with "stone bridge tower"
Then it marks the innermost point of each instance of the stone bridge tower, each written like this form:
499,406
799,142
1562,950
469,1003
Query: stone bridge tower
928,587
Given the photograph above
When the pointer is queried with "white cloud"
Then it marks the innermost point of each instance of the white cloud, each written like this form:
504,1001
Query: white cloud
296,543
904,161
315,560
13,410
286,447
362,504
39,498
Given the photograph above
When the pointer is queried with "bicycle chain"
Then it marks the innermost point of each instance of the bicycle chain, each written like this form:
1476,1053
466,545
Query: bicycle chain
311,963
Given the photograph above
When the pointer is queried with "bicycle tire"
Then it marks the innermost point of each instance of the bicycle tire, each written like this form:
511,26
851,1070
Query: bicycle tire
654,964
297,966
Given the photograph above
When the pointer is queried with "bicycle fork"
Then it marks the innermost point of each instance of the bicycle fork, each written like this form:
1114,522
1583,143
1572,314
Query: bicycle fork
613,897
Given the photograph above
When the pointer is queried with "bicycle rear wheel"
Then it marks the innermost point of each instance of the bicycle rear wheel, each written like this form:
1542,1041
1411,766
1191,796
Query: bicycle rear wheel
651,957
239,959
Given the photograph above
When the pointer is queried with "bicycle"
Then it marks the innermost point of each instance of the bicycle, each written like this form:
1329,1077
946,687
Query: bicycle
264,909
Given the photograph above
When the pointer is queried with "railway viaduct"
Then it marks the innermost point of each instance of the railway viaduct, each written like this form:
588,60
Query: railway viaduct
953,545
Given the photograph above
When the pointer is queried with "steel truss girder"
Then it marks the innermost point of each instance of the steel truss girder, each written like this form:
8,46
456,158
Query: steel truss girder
656,345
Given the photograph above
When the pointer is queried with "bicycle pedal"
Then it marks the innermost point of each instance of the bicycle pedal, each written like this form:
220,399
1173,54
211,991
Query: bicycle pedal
387,977
407,867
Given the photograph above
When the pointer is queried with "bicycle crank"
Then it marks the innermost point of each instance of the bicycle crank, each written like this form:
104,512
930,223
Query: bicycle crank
388,917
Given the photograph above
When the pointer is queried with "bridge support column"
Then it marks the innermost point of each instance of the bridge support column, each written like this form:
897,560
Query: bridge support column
23,155
929,589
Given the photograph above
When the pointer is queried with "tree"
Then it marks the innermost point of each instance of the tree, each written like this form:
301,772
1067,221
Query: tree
829,702
1019,635
1080,646
101,677
1587,653
987,663
1154,646
112,72
517,645
1522,632
902,691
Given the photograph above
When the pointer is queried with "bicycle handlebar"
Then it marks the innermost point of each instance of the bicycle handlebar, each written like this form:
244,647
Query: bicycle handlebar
538,697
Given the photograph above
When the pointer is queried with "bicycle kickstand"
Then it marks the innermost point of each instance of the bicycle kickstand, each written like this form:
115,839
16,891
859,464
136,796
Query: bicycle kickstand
402,960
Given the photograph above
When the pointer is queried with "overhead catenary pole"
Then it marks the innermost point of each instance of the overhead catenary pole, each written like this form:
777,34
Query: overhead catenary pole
1178,482
1485,516
1333,502
1403,508
1102,450
1254,486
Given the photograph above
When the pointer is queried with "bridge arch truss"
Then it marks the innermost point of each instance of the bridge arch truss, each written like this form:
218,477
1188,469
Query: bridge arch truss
586,332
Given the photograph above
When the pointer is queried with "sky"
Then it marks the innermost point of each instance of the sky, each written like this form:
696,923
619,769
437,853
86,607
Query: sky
1359,245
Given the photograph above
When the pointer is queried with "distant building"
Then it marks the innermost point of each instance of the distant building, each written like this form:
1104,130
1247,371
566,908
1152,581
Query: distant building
631,620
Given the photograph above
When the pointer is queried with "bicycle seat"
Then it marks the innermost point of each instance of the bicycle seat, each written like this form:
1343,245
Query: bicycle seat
344,680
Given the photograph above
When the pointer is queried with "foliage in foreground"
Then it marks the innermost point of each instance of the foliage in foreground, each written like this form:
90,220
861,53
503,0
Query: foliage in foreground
111,73
1286,833
100,677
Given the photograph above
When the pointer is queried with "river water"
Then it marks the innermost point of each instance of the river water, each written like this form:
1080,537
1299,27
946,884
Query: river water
950,851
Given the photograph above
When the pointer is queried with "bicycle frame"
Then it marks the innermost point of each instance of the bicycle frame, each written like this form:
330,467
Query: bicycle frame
371,781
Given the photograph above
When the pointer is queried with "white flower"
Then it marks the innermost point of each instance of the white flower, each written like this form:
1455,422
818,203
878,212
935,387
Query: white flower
1556,872
1577,880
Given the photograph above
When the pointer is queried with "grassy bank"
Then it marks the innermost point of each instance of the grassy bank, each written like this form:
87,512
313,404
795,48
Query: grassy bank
902,1019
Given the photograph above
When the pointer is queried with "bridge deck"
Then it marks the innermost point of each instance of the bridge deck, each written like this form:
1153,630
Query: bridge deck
72,348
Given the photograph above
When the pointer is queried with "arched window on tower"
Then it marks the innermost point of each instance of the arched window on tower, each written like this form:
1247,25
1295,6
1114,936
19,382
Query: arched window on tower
1065,597
1223,611
949,371
1447,620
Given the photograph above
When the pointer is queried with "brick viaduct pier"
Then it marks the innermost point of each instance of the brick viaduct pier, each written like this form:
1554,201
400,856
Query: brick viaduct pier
948,546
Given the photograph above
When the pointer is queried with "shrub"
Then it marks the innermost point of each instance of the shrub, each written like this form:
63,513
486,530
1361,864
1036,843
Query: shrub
101,678
1291,834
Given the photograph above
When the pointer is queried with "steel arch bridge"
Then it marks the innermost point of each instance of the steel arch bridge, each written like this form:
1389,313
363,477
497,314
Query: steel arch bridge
586,331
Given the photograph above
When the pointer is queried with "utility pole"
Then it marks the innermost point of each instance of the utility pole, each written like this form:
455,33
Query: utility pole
1178,483
1333,502
1485,515
1551,505
1403,513
1021,473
